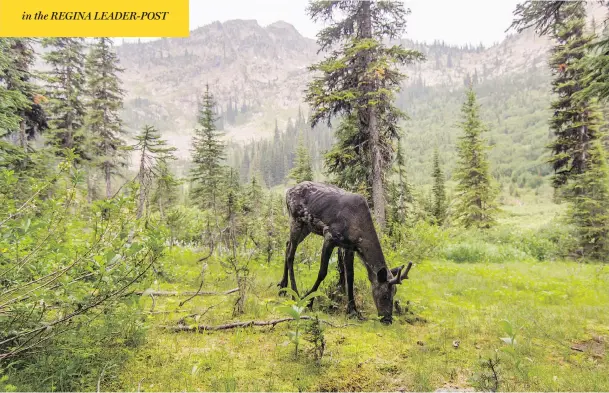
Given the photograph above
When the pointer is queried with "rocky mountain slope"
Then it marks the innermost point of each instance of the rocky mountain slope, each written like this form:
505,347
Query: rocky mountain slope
266,68
262,72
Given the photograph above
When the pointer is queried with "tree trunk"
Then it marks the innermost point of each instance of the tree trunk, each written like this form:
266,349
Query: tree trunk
89,187
108,177
23,140
378,191
142,202
378,197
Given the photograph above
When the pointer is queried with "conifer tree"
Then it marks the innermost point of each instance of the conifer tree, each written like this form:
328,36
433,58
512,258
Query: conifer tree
346,163
589,207
360,77
17,77
476,204
253,194
302,170
400,190
10,101
64,89
154,153
165,187
575,120
208,155
439,191
105,101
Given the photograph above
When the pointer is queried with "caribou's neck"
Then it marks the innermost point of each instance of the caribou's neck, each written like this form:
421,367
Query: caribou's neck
370,251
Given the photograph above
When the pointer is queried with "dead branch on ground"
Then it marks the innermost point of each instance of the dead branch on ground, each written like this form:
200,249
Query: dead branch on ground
235,325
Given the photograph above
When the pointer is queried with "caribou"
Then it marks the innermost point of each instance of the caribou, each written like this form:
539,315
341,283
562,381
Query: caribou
343,219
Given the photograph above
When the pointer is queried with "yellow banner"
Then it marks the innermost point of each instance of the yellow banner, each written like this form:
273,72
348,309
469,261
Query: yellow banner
94,18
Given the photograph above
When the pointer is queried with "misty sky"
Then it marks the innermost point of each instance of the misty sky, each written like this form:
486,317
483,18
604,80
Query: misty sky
455,22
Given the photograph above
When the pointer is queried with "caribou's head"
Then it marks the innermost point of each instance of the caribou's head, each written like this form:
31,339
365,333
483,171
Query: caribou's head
384,288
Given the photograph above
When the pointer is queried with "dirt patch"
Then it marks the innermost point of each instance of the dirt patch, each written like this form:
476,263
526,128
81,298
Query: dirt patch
596,346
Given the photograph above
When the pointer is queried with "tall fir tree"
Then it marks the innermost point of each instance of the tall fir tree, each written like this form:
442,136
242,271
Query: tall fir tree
589,208
302,170
65,84
18,78
104,104
475,206
400,191
153,155
360,77
575,119
208,154
439,208
165,192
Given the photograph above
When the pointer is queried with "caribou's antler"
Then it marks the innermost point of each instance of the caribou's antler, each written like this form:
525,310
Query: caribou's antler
400,274
405,275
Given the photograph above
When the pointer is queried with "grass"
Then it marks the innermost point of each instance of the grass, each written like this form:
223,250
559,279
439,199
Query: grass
553,306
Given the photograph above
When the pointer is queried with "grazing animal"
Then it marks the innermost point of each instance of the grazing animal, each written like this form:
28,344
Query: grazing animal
344,220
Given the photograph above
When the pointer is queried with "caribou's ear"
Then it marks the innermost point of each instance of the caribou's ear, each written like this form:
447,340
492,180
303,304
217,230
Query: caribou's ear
382,275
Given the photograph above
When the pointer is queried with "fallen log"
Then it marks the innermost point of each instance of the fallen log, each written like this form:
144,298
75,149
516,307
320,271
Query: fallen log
234,325
185,293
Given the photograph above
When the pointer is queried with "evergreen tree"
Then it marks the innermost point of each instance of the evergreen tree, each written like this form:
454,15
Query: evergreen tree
596,78
589,207
346,163
302,170
575,120
64,89
153,156
10,101
165,188
360,77
105,102
476,205
400,191
439,208
207,155
18,78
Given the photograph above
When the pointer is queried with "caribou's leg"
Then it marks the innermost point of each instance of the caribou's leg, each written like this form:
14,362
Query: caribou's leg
298,233
342,286
284,280
350,273
326,253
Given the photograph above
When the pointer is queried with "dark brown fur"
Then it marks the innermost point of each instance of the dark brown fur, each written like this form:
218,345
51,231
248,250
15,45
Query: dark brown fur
343,219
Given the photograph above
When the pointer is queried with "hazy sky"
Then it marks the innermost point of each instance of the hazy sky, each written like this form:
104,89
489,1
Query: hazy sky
455,22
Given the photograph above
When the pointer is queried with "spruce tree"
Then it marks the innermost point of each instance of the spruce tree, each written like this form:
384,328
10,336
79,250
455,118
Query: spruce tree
476,204
596,79
152,158
346,163
165,188
18,78
208,155
12,101
302,170
360,77
64,89
574,120
589,207
400,191
105,101
439,208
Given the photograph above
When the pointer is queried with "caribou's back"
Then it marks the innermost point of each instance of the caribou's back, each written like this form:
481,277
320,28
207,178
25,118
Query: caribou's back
323,207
